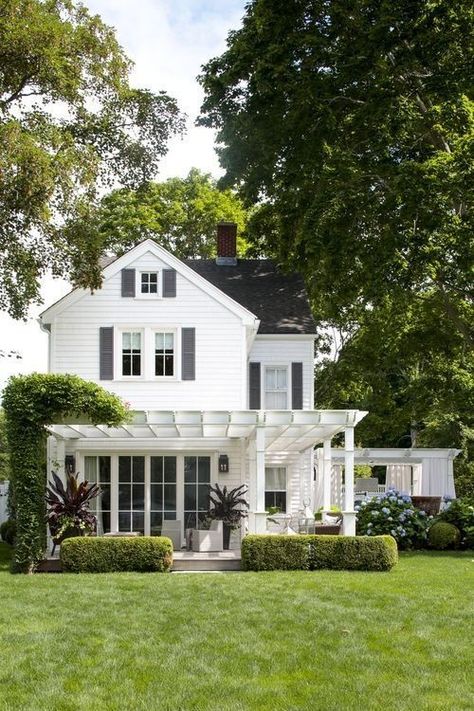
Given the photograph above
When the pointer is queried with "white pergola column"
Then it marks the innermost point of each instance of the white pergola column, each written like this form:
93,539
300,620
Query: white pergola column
258,515
327,467
349,515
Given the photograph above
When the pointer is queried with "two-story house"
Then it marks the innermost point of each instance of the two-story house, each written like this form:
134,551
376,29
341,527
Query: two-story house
216,358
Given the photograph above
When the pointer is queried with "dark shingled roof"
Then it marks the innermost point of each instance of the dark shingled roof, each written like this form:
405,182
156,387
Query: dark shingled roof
279,300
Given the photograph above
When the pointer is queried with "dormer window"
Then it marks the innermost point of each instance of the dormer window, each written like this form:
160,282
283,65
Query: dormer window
149,283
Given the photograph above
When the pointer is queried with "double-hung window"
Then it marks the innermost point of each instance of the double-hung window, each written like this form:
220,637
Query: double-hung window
149,283
276,388
275,488
164,354
131,353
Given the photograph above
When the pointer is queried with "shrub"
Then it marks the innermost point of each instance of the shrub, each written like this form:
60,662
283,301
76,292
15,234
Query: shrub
8,531
460,512
107,555
443,535
313,552
393,514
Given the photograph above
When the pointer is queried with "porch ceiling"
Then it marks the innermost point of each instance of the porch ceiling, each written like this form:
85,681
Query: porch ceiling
285,430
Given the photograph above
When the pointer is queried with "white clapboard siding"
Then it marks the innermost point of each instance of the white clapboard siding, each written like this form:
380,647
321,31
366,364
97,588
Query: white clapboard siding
220,344
276,352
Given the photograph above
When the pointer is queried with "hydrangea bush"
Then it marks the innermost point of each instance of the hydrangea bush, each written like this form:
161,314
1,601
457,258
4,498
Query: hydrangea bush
393,514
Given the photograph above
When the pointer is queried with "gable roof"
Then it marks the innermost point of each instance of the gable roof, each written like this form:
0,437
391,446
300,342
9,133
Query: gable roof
279,300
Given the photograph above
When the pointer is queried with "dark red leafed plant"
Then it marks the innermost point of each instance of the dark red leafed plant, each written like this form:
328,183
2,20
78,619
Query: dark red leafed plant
68,507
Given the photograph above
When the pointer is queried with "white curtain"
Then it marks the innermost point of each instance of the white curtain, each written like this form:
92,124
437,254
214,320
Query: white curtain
399,477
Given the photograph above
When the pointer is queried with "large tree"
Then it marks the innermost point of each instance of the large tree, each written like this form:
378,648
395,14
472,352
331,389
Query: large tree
70,123
180,213
352,123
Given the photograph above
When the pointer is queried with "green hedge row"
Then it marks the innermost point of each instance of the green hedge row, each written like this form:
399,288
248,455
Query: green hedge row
263,552
108,555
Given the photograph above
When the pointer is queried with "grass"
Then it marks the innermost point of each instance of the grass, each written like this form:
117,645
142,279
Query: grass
243,641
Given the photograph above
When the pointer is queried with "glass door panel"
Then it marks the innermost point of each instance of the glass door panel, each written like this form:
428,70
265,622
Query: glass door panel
131,494
197,482
162,492
97,471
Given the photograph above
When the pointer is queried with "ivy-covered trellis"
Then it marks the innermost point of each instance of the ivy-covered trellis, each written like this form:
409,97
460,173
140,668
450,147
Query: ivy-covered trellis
31,402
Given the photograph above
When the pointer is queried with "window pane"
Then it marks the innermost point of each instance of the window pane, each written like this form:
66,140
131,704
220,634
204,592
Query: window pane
153,288
125,496
126,364
169,497
190,519
126,341
190,469
204,469
189,497
159,341
155,523
138,469
156,497
136,340
169,340
125,468
275,401
169,365
169,516
281,378
153,277
103,500
138,520
159,365
104,469
103,522
275,478
270,380
170,469
157,468
203,497
90,469
280,500
138,497
124,521
136,364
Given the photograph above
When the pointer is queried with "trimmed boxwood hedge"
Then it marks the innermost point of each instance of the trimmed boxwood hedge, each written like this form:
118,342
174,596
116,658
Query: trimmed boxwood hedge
107,555
313,552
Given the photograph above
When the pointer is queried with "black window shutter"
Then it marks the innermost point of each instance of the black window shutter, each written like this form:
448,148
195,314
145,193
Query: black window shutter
169,283
128,282
297,386
255,397
106,349
188,354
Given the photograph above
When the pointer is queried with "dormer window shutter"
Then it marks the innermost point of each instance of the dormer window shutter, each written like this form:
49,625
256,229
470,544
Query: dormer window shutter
255,397
188,354
128,282
106,351
169,283
297,386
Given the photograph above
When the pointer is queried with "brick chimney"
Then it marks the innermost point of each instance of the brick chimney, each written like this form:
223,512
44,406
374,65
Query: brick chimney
226,244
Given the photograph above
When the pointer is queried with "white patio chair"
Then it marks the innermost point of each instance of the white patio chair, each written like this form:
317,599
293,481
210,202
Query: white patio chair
172,529
211,540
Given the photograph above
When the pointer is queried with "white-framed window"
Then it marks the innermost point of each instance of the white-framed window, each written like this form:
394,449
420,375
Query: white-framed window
276,387
275,488
131,354
148,284
165,355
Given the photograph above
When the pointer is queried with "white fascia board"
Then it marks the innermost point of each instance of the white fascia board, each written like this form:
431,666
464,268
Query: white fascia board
139,250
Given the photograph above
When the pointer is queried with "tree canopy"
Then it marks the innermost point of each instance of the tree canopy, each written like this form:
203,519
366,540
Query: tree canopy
70,124
352,125
180,213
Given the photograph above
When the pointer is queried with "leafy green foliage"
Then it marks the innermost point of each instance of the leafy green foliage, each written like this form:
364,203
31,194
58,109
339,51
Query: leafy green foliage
351,125
31,402
8,531
228,506
70,123
180,213
4,463
442,535
107,555
313,552
393,514
460,513
68,507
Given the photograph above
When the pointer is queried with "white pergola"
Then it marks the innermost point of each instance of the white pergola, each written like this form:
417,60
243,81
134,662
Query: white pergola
419,471
265,433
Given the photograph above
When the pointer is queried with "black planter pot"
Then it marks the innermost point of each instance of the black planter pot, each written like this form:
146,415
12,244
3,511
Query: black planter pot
226,536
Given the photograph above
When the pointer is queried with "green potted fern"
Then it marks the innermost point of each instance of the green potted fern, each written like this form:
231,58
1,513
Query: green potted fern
230,507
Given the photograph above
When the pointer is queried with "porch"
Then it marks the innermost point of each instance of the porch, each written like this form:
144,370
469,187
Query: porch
235,448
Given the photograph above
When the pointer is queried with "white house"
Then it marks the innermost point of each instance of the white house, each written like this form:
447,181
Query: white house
216,359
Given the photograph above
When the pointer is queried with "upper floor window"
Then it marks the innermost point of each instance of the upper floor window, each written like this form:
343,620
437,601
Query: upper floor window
164,354
149,283
132,353
276,388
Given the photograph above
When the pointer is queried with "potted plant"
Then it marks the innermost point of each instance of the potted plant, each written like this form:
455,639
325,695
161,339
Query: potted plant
68,512
228,507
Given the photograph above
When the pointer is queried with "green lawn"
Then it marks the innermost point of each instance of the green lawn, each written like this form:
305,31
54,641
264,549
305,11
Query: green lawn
266,641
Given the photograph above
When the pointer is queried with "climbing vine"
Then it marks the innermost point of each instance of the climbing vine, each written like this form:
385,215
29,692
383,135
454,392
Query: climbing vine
31,402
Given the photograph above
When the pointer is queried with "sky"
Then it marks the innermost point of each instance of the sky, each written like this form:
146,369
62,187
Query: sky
168,40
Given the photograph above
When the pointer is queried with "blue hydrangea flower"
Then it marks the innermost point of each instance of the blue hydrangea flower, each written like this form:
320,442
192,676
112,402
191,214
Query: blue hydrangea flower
374,514
422,513
393,532
385,510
